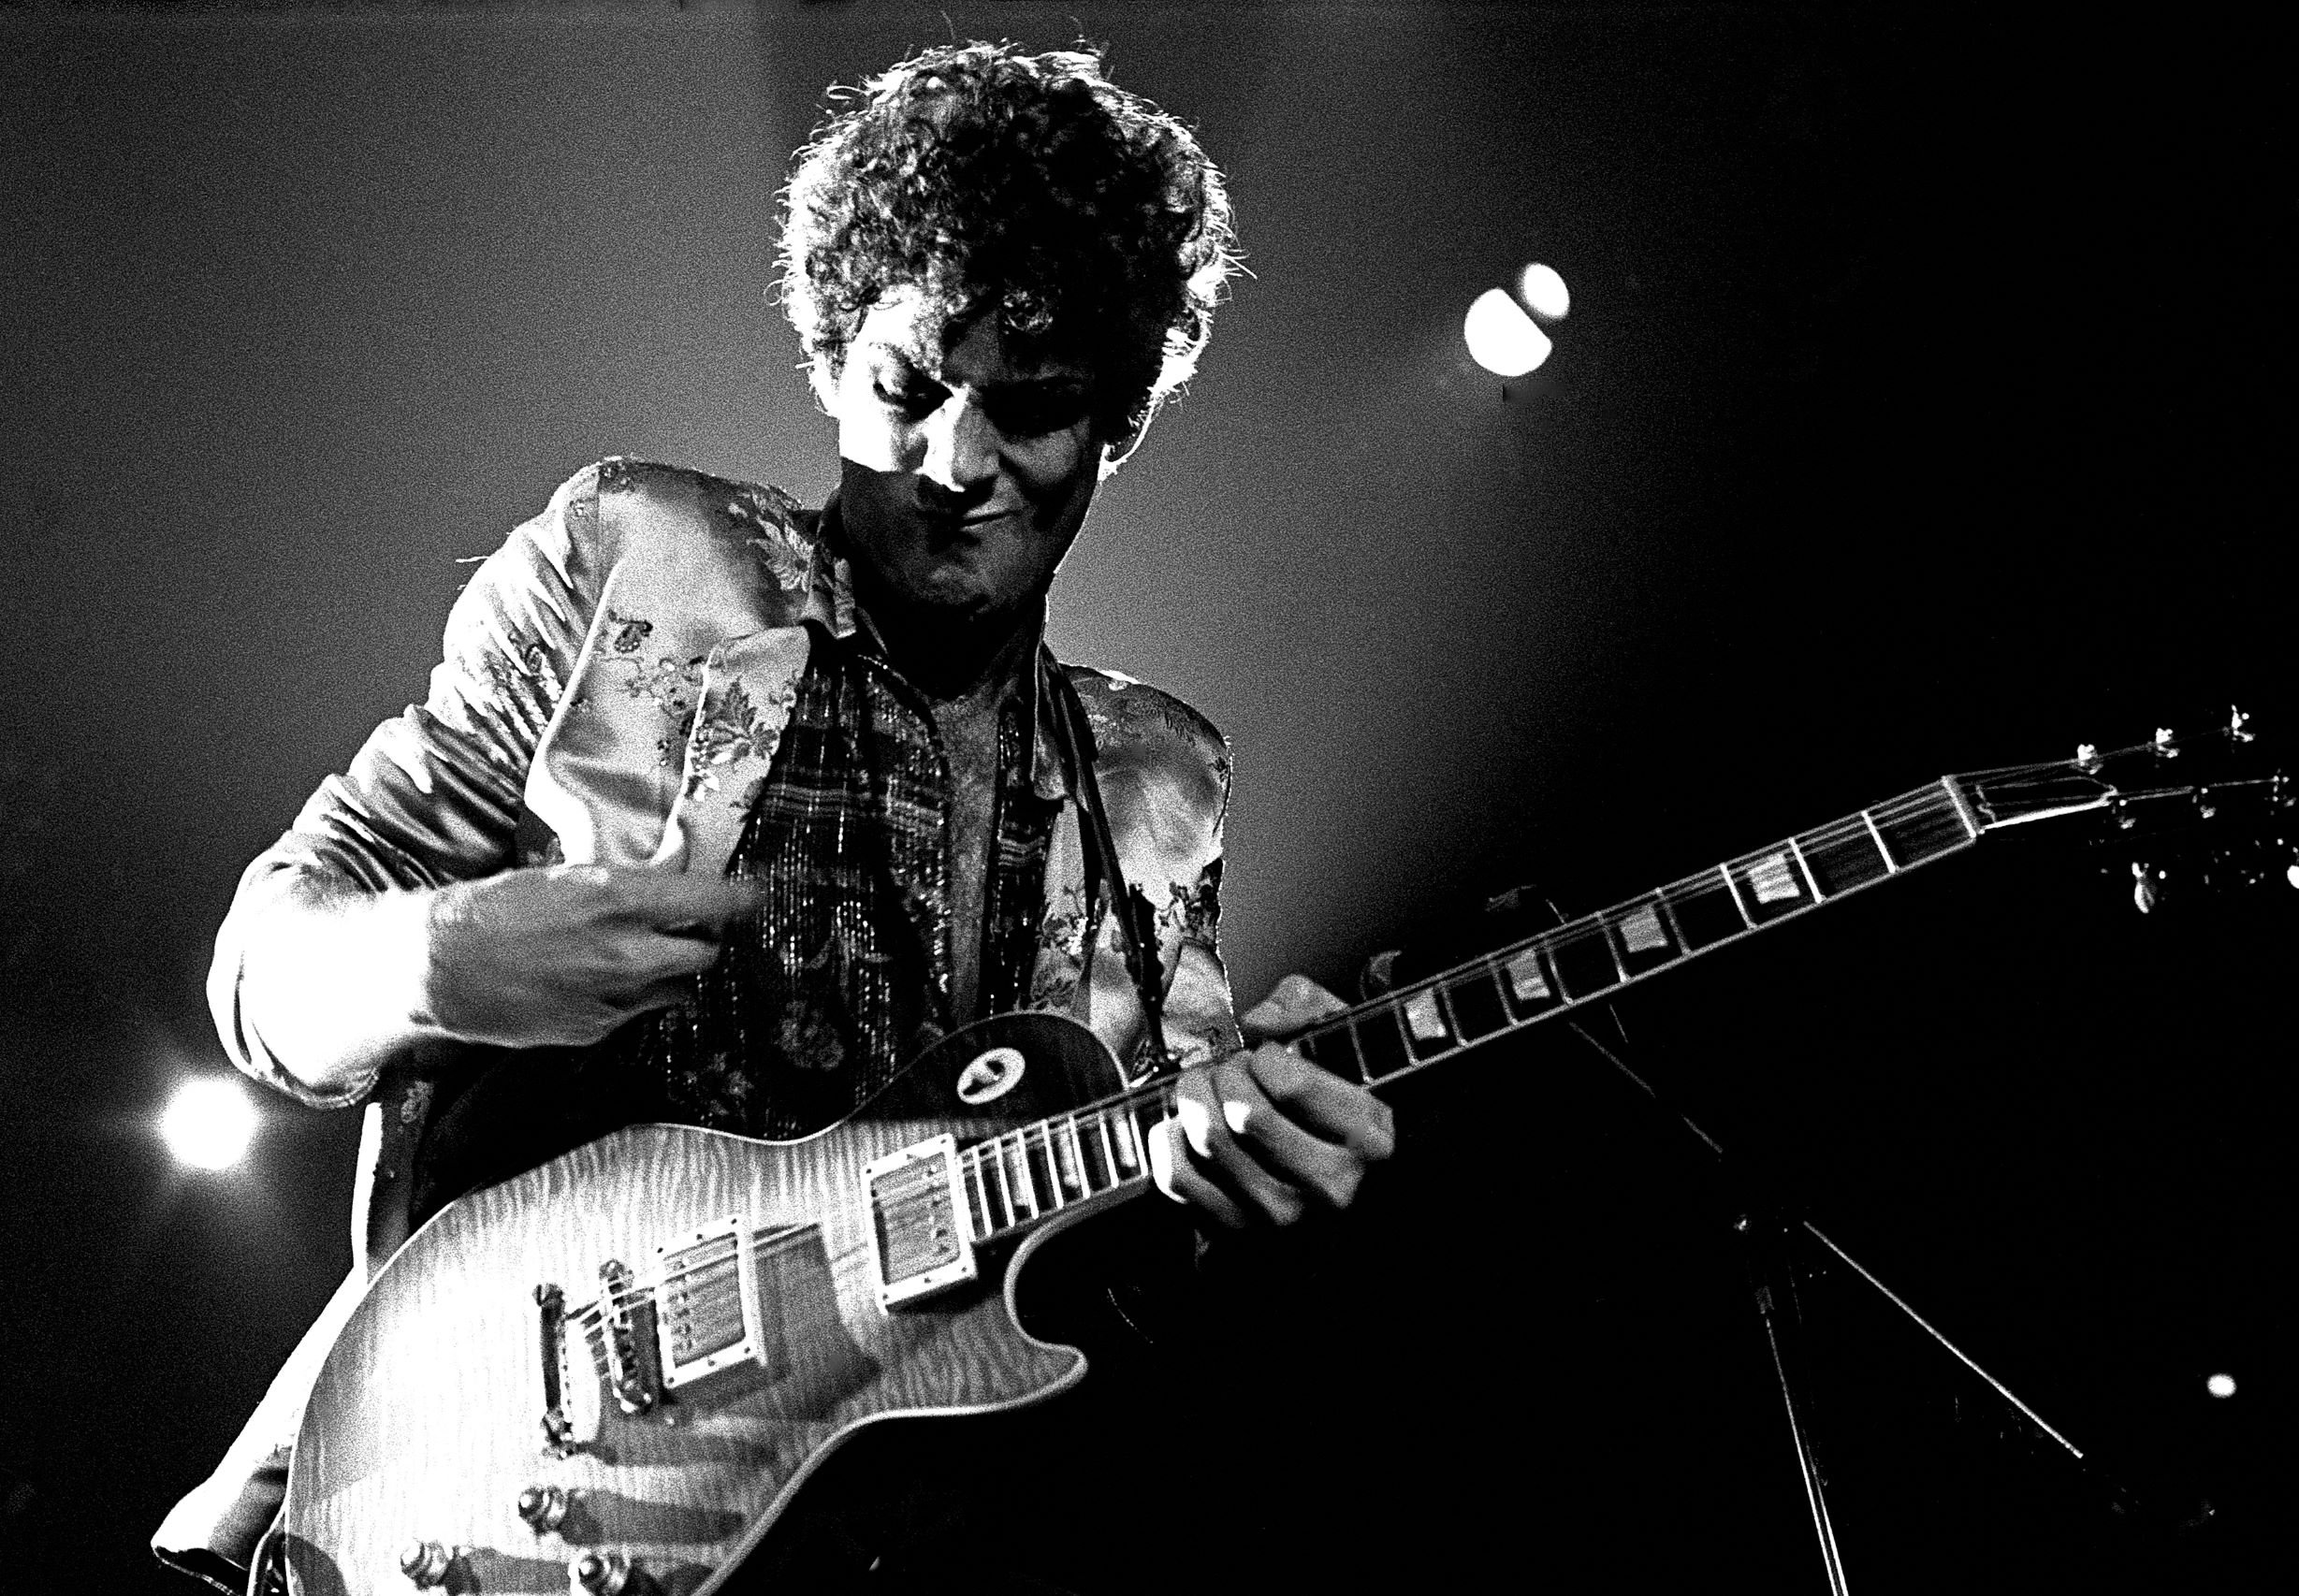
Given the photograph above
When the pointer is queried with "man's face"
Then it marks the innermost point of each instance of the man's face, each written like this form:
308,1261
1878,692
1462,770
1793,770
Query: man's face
964,477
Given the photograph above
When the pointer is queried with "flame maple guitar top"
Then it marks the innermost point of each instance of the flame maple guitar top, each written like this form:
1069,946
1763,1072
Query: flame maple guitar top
425,1424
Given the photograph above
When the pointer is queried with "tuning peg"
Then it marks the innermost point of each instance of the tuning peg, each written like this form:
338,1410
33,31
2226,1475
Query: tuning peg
2237,722
2088,758
2166,746
2147,887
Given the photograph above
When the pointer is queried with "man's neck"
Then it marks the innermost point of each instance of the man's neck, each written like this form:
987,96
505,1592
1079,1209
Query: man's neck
949,659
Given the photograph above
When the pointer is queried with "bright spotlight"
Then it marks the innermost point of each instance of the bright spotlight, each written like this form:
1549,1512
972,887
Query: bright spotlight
1501,338
1544,292
2220,1384
208,1122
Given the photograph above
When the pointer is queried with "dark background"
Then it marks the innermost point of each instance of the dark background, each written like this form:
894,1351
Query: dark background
1924,405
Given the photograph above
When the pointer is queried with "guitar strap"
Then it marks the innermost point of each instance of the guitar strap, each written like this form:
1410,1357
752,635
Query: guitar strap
1105,876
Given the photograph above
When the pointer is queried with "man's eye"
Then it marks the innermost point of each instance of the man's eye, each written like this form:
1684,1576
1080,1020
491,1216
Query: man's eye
909,401
1037,415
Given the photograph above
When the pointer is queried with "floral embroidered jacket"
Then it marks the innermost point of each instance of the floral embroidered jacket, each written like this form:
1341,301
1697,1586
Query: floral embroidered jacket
615,684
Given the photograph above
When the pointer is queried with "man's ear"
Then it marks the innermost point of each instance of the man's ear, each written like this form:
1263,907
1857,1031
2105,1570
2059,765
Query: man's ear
1116,451
823,374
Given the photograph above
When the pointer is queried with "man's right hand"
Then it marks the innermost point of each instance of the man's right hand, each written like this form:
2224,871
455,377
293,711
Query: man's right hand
566,953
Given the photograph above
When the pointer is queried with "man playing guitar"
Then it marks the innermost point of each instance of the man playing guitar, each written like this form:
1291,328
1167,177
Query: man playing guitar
720,809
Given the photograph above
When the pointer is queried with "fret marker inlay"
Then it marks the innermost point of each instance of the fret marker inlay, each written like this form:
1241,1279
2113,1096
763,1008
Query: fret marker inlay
1773,880
1525,979
1423,1016
1642,930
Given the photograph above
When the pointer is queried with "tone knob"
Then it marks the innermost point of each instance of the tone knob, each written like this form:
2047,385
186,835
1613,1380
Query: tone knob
544,1507
425,1563
603,1573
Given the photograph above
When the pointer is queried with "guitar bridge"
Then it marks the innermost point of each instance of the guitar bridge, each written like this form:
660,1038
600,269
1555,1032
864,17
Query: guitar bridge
634,1356
921,1240
569,1369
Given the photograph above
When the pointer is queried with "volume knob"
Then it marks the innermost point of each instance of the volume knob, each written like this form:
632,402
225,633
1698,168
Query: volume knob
425,1563
544,1507
601,1574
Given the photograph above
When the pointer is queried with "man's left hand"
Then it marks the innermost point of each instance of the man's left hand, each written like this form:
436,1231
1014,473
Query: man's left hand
1263,1136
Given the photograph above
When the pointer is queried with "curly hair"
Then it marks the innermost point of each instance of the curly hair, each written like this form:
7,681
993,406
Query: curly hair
1030,187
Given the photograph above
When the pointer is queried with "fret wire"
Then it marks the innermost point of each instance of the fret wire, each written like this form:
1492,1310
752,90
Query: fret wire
1890,865
1492,967
1005,1192
1963,809
977,1200
1445,1008
1357,1054
1587,927
1054,1163
1615,944
1108,1158
1733,892
1668,913
1077,1153
1811,883
1405,1032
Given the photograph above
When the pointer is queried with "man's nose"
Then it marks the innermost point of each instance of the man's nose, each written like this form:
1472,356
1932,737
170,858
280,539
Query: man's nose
960,445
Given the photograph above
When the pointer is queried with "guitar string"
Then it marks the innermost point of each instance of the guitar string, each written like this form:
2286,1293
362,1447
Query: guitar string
1042,1132
979,1159
976,1160
645,1286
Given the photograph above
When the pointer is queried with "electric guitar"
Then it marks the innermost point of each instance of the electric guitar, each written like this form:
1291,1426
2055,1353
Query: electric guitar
615,1371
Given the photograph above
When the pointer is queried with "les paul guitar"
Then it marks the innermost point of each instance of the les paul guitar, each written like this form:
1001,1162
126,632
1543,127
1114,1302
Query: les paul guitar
615,1371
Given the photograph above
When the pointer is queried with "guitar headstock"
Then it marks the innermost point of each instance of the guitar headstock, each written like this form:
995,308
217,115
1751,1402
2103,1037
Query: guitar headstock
2209,810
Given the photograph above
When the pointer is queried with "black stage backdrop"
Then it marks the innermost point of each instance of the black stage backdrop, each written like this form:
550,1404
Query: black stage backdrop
1924,405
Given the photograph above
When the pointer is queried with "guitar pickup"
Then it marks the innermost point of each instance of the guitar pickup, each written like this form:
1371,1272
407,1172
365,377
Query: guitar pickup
921,1237
709,1311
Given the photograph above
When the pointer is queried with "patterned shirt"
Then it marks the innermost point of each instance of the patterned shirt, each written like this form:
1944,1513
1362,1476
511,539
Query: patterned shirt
619,683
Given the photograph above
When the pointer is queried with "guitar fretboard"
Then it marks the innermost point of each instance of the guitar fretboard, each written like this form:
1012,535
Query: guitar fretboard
1013,1181
1441,1015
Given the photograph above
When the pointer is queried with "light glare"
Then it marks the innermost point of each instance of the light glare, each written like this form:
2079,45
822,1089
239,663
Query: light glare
1501,338
1544,292
208,1122
2220,1384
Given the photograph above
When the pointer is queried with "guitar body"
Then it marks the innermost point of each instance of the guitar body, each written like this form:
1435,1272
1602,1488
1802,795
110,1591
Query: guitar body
425,1424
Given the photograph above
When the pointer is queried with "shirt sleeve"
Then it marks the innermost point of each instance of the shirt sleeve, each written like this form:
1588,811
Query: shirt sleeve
1201,1018
434,796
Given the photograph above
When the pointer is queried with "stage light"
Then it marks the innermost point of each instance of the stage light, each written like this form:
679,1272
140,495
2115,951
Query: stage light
1501,338
2220,1384
208,1122
1543,292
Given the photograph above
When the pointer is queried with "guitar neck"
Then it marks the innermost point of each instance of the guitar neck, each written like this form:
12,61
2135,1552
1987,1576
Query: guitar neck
1582,960
1099,1154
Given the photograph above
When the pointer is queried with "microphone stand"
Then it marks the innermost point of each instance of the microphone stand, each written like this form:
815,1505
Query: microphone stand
1764,1231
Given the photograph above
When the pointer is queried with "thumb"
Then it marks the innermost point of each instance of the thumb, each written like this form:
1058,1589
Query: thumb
1293,1004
